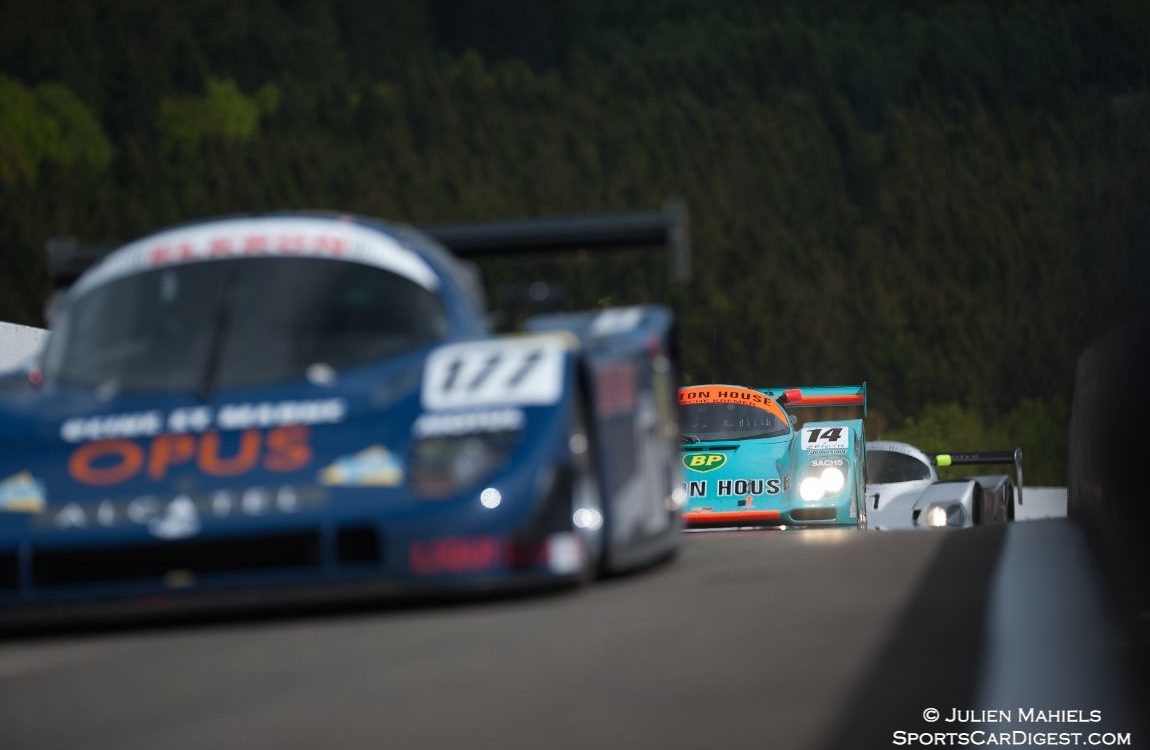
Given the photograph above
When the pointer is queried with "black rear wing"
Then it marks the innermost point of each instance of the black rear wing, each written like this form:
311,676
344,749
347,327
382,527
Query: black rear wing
668,226
983,458
68,258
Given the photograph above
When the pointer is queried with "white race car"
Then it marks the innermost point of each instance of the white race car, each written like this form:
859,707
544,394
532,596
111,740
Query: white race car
904,490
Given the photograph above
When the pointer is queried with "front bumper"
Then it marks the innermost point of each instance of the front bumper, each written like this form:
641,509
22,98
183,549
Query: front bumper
440,549
796,516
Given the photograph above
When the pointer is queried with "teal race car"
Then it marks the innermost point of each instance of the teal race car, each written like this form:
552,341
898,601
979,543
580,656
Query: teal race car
748,463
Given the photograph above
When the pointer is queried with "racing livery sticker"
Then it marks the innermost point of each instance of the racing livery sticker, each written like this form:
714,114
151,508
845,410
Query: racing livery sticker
834,439
449,555
745,487
21,493
506,372
695,488
615,388
180,516
371,467
739,487
468,423
703,462
213,454
729,394
616,320
279,236
241,416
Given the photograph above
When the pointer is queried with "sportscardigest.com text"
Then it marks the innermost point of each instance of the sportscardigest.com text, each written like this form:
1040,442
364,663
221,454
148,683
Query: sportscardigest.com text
1013,738
1018,727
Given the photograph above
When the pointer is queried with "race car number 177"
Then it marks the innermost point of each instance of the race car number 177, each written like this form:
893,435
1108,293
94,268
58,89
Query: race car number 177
486,373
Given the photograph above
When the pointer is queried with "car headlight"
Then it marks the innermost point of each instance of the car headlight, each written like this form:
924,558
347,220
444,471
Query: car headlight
446,465
940,514
833,479
817,486
811,489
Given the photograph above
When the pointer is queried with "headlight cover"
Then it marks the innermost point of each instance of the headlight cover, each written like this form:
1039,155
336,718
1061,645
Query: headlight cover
811,489
815,487
939,515
833,479
443,466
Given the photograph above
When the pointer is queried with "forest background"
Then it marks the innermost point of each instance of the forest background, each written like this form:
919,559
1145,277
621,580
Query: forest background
946,199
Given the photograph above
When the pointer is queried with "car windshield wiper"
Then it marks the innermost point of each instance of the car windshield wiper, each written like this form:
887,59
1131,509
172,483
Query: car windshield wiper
756,436
221,324
690,439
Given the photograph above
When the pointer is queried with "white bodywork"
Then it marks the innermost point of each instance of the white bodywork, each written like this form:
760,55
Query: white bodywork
19,345
893,505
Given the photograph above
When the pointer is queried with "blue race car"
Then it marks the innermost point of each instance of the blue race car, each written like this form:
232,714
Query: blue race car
748,465
303,404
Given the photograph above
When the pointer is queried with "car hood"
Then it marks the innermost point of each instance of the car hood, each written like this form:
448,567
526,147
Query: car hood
102,460
722,474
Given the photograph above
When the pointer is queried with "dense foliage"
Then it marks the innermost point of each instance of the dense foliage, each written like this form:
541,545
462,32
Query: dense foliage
946,199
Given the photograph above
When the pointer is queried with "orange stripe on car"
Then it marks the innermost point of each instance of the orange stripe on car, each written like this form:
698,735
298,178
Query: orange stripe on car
734,517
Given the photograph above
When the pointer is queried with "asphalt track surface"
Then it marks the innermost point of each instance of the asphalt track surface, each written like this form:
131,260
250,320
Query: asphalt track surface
746,640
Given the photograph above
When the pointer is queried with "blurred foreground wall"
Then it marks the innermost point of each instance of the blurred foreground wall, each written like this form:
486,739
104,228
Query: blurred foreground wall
1109,489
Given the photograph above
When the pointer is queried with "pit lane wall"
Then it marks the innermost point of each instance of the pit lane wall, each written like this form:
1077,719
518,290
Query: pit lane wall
18,343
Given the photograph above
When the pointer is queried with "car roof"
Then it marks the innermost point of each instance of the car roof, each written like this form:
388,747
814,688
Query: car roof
270,235
895,446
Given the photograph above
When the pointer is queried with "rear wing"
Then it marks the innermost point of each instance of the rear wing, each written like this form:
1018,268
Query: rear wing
668,226
983,458
820,395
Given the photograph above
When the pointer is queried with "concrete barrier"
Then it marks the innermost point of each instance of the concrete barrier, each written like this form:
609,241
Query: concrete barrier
1108,447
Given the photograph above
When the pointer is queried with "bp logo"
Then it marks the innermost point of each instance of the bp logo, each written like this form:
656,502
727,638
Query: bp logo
704,461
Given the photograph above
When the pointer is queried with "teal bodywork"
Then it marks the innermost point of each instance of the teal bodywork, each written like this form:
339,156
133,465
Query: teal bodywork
737,481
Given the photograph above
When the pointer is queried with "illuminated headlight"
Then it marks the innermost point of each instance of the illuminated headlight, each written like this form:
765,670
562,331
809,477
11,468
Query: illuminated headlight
445,466
490,498
816,487
833,479
811,489
936,516
939,515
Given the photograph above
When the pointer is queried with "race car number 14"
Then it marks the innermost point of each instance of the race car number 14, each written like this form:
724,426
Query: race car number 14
816,438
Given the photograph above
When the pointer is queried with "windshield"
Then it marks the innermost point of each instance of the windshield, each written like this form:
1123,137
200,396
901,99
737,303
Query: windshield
240,322
888,466
730,422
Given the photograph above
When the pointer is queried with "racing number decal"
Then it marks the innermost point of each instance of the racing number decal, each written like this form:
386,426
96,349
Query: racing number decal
816,438
525,371
487,369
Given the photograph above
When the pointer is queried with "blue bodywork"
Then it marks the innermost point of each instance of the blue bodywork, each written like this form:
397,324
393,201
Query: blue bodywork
336,481
736,477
